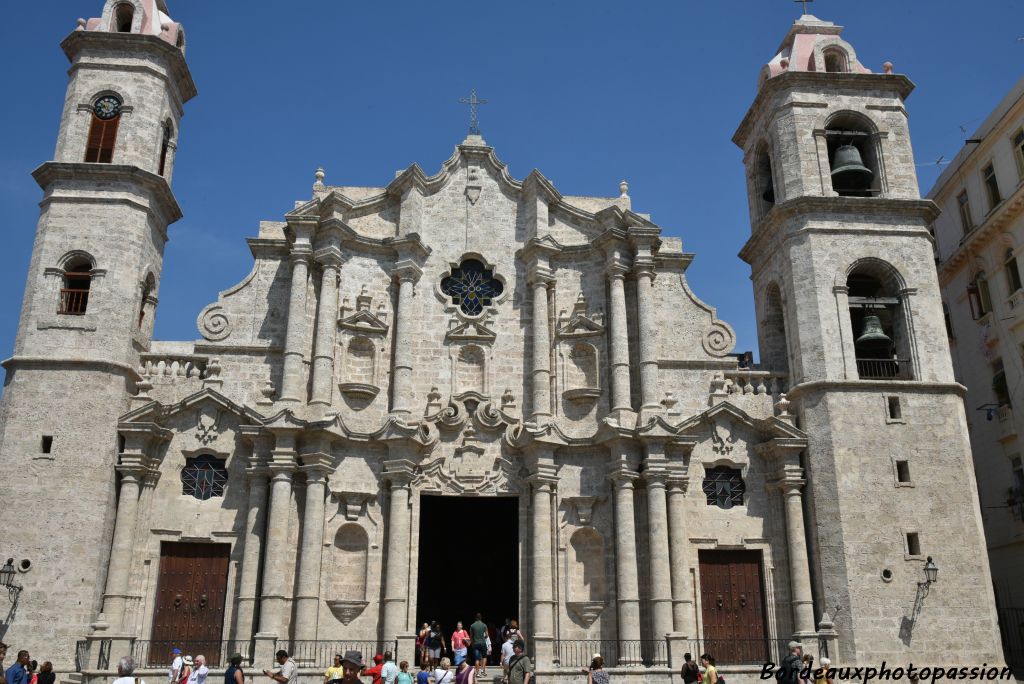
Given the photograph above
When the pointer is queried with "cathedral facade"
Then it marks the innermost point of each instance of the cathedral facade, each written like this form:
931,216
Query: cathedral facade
467,360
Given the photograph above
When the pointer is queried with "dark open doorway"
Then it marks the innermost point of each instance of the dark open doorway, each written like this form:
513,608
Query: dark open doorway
468,562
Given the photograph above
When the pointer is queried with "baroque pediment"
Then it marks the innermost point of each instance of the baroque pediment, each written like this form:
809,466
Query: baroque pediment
364,322
471,330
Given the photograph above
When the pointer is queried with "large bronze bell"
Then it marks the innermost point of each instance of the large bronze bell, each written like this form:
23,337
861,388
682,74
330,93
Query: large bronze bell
848,170
873,333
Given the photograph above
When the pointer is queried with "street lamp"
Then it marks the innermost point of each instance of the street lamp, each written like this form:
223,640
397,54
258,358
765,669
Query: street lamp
931,572
7,580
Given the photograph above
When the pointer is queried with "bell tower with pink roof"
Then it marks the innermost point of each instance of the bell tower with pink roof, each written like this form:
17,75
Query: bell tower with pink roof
847,301
86,317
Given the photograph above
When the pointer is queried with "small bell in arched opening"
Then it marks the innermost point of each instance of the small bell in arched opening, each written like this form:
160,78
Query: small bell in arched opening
873,334
848,170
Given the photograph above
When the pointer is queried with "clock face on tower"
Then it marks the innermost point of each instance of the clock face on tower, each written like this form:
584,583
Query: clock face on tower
107,107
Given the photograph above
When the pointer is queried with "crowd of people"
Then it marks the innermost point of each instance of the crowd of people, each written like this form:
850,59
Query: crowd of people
475,645
24,670
796,668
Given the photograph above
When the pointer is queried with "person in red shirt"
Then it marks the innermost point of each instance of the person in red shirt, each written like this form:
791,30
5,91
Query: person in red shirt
378,664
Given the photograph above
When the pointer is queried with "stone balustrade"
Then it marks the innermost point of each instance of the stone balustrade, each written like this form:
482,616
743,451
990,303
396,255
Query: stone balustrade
752,381
164,368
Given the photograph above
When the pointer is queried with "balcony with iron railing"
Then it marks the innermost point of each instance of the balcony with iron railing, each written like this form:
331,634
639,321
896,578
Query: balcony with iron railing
884,369
73,301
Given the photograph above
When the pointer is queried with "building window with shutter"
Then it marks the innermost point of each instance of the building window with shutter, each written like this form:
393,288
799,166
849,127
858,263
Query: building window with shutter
1018,153
106,114
999,384
723,487
74,295
1012,271
964,205
988,176
978,296
165,144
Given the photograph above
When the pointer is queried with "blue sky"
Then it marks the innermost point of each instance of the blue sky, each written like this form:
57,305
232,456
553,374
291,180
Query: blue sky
587,92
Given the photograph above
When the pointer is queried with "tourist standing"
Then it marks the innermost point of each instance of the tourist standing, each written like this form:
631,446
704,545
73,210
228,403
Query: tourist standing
200,671
597,674
352,664
435,643
460,643
125,672
710,671
46,673
285,672
234,673
792,664
423,676
374,672
520,669
478,638
421,642
335,673
824,673
3,654
507,652
389,672
18,672
403,673
186,669
442,673
806,669
33,676
174,673
690,671
466,674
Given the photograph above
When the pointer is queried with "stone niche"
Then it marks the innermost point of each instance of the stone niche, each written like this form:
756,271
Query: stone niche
349,566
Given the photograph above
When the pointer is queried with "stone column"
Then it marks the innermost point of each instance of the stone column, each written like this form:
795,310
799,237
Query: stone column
655,476
682,605
254,527
847,335
276,552
307,600
627,587
618,338
396,579
123,543
647,325
539,280
407,274
293,384
326,326
799,571
542,598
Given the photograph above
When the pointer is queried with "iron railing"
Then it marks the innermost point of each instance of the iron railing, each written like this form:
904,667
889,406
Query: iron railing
321,653
884,369
81,655
73,301
578,653
740,651
103,662
157,653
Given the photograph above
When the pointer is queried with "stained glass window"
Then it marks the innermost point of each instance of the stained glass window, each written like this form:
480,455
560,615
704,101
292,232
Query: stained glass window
724,487
203,477
472,286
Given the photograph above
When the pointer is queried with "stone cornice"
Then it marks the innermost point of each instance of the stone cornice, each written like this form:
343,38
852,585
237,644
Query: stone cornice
903,386
899,84
1006,211
78,41
52,172
924,211
62,361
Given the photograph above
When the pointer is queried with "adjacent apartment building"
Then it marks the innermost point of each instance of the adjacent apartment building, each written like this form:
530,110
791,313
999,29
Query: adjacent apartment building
979,242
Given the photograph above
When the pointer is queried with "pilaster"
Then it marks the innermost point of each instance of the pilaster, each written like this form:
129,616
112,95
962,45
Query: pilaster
330,260
293,383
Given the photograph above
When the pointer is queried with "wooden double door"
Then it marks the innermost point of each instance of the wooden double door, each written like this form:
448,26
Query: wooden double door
190,598
732,606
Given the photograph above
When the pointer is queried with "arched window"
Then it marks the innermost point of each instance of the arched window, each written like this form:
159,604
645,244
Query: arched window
765,179
877,318
106,114
836,60
203,477
1012,272
853,156
74,295
165,144
774,345
123,15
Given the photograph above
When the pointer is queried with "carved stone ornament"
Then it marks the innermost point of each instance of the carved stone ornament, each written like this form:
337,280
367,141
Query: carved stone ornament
347,611
581,323
206,424
719,341
213,323
586,612
473,186
584,507
351,504
722,437
470,470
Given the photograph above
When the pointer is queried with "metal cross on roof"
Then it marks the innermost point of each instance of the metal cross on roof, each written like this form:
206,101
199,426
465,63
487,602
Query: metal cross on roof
472,101
804,3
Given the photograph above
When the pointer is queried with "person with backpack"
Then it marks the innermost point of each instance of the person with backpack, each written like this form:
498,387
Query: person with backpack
710,671
691,671
520,668
792,664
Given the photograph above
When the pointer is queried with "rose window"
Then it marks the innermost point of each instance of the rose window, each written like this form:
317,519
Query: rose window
472,286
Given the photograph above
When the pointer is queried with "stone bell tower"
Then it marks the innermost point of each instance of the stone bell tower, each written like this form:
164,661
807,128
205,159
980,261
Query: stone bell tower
87,312
847,300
